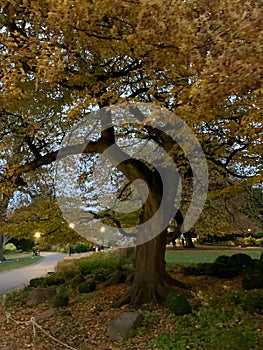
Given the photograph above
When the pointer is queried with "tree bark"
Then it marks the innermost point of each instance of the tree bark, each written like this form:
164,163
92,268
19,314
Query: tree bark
4,200
188,240
2,258
151,282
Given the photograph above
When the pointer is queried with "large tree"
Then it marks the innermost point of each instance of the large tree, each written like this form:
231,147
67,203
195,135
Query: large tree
199,59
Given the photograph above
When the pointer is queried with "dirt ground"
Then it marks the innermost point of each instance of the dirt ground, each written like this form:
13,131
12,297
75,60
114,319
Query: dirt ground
83,325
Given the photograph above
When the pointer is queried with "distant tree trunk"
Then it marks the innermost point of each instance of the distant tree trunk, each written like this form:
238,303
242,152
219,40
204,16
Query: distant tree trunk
188,240
2,258
4,199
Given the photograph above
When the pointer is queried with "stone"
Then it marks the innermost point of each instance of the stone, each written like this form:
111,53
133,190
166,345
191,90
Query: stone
120,327
40,295
46,314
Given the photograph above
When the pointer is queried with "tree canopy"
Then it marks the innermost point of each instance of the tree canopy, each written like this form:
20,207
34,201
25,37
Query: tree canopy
200,59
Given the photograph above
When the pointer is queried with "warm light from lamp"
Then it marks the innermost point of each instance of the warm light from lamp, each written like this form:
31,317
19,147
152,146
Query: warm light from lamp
37,234
71,225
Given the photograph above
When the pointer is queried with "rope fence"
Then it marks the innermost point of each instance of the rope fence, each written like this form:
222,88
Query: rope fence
35,325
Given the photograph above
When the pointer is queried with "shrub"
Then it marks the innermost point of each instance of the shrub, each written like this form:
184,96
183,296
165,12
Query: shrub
230,266
253,301
9,247
67,265
101,274
178,304
240,260
197,270
60,300
76,280
23,244
16,298
222,259
223,267
111,261
252,276
210,328
81,248
53,280
87,287
37,282
56,279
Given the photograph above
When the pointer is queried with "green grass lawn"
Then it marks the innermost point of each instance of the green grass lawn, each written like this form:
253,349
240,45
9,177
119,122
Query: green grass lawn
15,260
174,258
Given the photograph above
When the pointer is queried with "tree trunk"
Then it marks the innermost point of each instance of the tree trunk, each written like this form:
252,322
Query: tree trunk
188,240
151,282
4,200
2,258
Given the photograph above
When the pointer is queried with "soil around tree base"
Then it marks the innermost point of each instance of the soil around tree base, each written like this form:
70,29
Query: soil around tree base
83,325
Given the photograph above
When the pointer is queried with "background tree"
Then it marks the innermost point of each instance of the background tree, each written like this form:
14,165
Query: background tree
199,59
43,217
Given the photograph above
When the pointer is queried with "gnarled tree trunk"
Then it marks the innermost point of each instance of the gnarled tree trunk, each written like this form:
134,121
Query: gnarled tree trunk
151,282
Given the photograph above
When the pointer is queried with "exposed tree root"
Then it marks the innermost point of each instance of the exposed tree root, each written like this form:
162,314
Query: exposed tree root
139,295
166,278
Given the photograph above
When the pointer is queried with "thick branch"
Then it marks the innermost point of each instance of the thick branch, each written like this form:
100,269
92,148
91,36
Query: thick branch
92,147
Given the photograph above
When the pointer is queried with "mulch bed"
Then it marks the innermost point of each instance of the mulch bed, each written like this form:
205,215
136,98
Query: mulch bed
83,325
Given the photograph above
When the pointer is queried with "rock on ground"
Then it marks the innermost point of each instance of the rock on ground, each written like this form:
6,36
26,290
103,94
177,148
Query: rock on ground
119,328
40,295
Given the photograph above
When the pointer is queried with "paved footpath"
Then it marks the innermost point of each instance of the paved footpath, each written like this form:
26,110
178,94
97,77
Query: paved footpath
10,280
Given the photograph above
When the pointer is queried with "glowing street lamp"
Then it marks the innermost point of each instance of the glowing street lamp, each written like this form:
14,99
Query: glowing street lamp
72,226
37,234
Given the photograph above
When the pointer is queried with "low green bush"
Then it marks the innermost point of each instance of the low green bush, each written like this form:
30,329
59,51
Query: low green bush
223,267
197,270
59,301
87,287
110,261
56,279
76,280
101,274
52,280
178,304
16,298
37,282
210,328
252,276
253,301
9,247
81,248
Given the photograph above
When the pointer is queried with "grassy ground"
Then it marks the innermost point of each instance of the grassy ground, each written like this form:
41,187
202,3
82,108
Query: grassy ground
175,257
16,260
